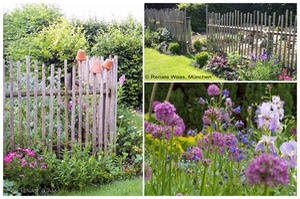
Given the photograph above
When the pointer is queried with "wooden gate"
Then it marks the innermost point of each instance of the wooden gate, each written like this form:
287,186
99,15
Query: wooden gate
81,110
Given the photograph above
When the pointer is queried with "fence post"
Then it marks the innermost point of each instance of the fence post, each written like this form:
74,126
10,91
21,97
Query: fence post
189,30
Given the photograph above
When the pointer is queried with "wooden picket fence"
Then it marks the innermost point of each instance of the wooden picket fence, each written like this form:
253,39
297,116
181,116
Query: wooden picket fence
81,110
175,21
247,33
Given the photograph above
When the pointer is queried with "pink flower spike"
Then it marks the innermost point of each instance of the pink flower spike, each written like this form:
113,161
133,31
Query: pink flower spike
287,78
8,159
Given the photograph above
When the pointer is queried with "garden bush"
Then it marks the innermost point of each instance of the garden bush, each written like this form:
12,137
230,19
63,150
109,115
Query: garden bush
227,157
197,45
124,39
151,38
201,58
174,47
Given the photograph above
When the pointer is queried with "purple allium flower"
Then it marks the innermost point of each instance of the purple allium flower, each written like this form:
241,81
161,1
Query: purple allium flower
179,125
206,162
266,141
148,171
201,101
213,90
154,103
157,131
267,170
165,112
211,115
147,126
193,153
289,153
225,92
230,140
217,140
122,80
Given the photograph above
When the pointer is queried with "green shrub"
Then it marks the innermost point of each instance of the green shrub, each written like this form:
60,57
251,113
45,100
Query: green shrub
125,39
174,47
151,38
10,188
197,45
201,58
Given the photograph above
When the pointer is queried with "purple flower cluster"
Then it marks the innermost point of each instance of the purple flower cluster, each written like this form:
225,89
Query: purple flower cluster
211,115
165,113
23,157
148,171
269,114
217,141
193,153
213,90
267,170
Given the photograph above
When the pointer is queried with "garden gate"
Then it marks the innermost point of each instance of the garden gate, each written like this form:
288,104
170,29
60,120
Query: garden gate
175,21
80,111
254,32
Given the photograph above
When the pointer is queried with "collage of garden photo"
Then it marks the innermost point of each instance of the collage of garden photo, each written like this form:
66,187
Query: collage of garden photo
148,99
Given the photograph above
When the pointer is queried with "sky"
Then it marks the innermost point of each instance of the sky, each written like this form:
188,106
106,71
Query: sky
102,9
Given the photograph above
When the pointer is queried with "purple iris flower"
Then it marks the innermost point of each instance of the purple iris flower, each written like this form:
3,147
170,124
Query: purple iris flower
289,153
268,141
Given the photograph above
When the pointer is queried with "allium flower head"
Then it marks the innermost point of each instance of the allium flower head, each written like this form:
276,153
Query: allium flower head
211,115
213,90
154,103
289,153
179,125
164,112
217,141
267,170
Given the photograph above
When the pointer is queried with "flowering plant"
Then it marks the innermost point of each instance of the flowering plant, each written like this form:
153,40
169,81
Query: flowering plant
27,168
231,156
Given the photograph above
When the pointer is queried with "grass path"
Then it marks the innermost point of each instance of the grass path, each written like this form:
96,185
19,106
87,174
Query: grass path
119,188
172,67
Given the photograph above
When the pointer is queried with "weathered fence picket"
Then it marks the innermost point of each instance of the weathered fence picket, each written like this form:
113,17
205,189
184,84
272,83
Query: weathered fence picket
255,33
175,21
82,123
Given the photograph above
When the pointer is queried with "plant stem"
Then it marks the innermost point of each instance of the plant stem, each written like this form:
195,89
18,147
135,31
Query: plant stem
203,181
170,162
266,193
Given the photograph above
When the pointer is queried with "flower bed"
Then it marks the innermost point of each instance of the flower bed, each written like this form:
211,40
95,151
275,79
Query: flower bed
229,156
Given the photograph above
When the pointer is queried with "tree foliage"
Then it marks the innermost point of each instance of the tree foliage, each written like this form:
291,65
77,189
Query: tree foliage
125,40
29,19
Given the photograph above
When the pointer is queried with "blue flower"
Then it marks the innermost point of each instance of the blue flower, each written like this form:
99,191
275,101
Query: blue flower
237,109
201,101
225,92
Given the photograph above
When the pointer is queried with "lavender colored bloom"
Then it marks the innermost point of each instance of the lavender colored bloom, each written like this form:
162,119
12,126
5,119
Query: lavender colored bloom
289,153
213,90
266,141
179,194
193,153
154,103
165,112
217,141
211,115
191,132
237,110
239,124
122,80
267,170
228,102
263,57
269,115
230,140
178,124
44,166
225,92
201,101
276,61
252,57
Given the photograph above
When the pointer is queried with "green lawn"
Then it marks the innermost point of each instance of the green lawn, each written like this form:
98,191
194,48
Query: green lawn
172,67
119,188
